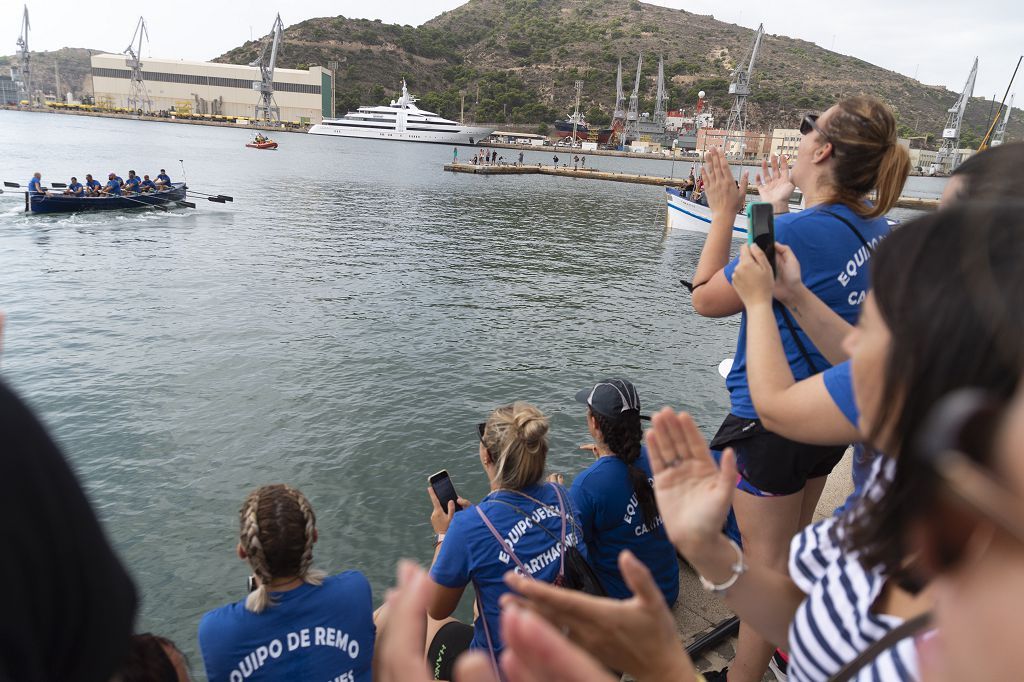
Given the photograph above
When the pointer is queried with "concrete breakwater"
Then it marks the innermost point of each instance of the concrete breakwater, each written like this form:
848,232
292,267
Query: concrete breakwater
614,176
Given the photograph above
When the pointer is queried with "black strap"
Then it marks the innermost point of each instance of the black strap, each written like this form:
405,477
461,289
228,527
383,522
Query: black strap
852,228
788,321
902,631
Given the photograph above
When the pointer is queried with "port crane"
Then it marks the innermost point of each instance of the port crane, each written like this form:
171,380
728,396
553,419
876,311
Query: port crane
661,99
736,124
138,97
24,68
948,155
633,115
619,115
1000,133
267,109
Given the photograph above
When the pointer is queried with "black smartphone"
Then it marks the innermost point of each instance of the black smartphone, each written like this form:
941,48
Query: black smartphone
761,228
441,482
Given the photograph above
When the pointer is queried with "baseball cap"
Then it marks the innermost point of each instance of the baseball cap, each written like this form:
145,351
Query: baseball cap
610,397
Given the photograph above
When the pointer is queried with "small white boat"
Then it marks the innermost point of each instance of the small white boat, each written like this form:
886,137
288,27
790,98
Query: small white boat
683,214
401,120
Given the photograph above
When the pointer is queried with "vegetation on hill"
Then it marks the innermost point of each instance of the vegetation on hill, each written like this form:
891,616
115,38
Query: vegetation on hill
516,61
72,67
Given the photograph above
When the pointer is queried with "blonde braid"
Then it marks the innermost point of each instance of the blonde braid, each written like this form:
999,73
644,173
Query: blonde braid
259,599
313,576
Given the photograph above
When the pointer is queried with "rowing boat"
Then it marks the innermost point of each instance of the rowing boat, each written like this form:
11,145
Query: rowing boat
269,144
66,203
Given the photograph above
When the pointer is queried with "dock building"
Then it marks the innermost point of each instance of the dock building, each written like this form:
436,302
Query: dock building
208,88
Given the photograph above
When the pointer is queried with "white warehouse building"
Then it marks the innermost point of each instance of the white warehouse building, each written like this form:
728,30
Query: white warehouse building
209,88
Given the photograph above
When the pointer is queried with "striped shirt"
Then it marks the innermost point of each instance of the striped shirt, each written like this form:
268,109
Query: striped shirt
835,622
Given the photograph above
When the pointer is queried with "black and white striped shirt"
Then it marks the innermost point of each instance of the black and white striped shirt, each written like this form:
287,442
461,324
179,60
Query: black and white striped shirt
835,622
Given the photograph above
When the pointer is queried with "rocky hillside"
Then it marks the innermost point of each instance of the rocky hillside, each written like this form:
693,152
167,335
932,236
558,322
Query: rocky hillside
516,61
72,65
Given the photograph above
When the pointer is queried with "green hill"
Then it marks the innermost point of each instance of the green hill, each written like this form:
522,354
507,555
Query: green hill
516,61
72,66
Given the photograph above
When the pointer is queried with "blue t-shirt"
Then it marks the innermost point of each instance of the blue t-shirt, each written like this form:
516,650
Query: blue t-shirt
163,177
113,186
324,633
611,519
119,180
75,187
35,186
834,266
133,183
471,553
93,184
149,184
839,384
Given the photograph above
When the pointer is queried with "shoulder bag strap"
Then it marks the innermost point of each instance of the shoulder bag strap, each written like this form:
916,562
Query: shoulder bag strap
487,633
501,541
569,517
852,227
902,631
788,321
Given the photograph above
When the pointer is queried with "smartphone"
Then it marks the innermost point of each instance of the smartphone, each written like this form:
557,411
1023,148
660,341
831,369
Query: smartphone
441,482
761,228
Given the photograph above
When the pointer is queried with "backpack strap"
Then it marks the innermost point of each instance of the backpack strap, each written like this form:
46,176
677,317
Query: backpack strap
902,631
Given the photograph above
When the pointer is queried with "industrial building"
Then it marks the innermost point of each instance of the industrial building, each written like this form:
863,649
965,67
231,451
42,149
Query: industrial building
209,88
8,90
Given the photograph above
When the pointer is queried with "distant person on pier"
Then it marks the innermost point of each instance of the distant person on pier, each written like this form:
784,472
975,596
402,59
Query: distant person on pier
556,161
92,185
35,186
455,154
113,187
583,161
517,526
163,180
614,497
75,188
297,623
147,185
520,158
131,185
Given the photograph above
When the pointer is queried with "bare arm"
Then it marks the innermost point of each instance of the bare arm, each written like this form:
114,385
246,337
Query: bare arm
825,327
800,410
713,295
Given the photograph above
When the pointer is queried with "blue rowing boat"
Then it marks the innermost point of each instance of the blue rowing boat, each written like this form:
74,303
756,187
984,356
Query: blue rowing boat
66,203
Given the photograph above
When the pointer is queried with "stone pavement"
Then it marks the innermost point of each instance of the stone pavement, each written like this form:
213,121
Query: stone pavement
698,611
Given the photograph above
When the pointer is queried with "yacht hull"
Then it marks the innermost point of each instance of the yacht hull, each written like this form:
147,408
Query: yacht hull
463,136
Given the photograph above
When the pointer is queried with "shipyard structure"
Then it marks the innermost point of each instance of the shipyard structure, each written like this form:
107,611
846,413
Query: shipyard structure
303,96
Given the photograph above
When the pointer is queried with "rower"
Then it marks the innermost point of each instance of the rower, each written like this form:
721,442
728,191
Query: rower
163,181
113,187
75,188
35,186
120,182
92,186
148,185
131,185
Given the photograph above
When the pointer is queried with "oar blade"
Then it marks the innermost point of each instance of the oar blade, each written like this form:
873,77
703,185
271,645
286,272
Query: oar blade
186,204
59,185
12,184
226,197
216,200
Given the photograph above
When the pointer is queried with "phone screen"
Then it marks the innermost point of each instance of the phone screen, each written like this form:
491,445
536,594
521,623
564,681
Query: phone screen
761,229
441,482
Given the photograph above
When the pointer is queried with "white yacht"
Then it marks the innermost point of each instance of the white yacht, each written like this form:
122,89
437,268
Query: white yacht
402,120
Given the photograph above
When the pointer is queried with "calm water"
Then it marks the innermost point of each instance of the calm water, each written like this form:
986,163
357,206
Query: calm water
341,327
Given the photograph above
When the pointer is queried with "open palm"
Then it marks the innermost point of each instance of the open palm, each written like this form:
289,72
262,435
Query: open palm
775,183
693,493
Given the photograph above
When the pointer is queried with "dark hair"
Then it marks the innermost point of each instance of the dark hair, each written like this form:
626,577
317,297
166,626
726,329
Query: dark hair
866,156
622,436
992,174
147,660
950,288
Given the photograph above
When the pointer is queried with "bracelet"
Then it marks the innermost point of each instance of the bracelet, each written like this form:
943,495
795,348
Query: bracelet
439,539
738,569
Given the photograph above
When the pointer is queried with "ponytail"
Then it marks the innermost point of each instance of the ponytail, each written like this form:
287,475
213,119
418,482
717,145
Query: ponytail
623,436
866,156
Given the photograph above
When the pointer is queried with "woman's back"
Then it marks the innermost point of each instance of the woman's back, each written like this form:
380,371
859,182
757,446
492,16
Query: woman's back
471,553
312,632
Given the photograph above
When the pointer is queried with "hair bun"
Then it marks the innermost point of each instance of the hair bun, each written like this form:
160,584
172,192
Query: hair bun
530,423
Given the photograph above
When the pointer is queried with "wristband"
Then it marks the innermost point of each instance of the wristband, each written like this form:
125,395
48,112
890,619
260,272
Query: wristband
439,539
738,569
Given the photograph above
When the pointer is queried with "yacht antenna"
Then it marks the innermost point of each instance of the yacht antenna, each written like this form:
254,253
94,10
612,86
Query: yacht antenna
736,125
267,109
946,159
138,98
24,68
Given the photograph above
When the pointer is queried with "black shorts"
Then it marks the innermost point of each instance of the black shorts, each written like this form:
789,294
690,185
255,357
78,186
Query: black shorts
448,644
769,464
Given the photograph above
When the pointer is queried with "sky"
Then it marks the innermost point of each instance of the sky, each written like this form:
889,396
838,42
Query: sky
932,40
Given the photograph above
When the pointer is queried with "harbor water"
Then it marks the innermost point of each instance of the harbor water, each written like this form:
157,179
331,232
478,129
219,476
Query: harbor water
341,326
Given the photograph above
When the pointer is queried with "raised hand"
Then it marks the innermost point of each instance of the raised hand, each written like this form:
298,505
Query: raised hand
637,635
753,278
693,493
775,183
724,196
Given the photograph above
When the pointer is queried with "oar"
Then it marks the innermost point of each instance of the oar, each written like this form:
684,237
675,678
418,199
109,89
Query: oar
161,207
186,204
224,197
56,185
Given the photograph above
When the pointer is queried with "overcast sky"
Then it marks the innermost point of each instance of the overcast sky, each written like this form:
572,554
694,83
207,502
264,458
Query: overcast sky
934,39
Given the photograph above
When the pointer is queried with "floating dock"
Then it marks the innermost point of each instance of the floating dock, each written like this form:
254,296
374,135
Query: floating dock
613,176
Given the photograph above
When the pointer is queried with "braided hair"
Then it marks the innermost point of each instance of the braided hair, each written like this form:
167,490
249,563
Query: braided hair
277,529
622,436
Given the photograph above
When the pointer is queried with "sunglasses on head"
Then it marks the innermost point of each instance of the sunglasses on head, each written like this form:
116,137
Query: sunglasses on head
970,498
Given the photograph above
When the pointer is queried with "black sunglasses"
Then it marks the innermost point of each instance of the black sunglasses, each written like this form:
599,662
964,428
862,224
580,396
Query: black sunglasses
480,428
810,123
965,421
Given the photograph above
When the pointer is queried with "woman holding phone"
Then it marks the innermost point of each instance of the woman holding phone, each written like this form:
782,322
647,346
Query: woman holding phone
522,525
845,154
297,623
